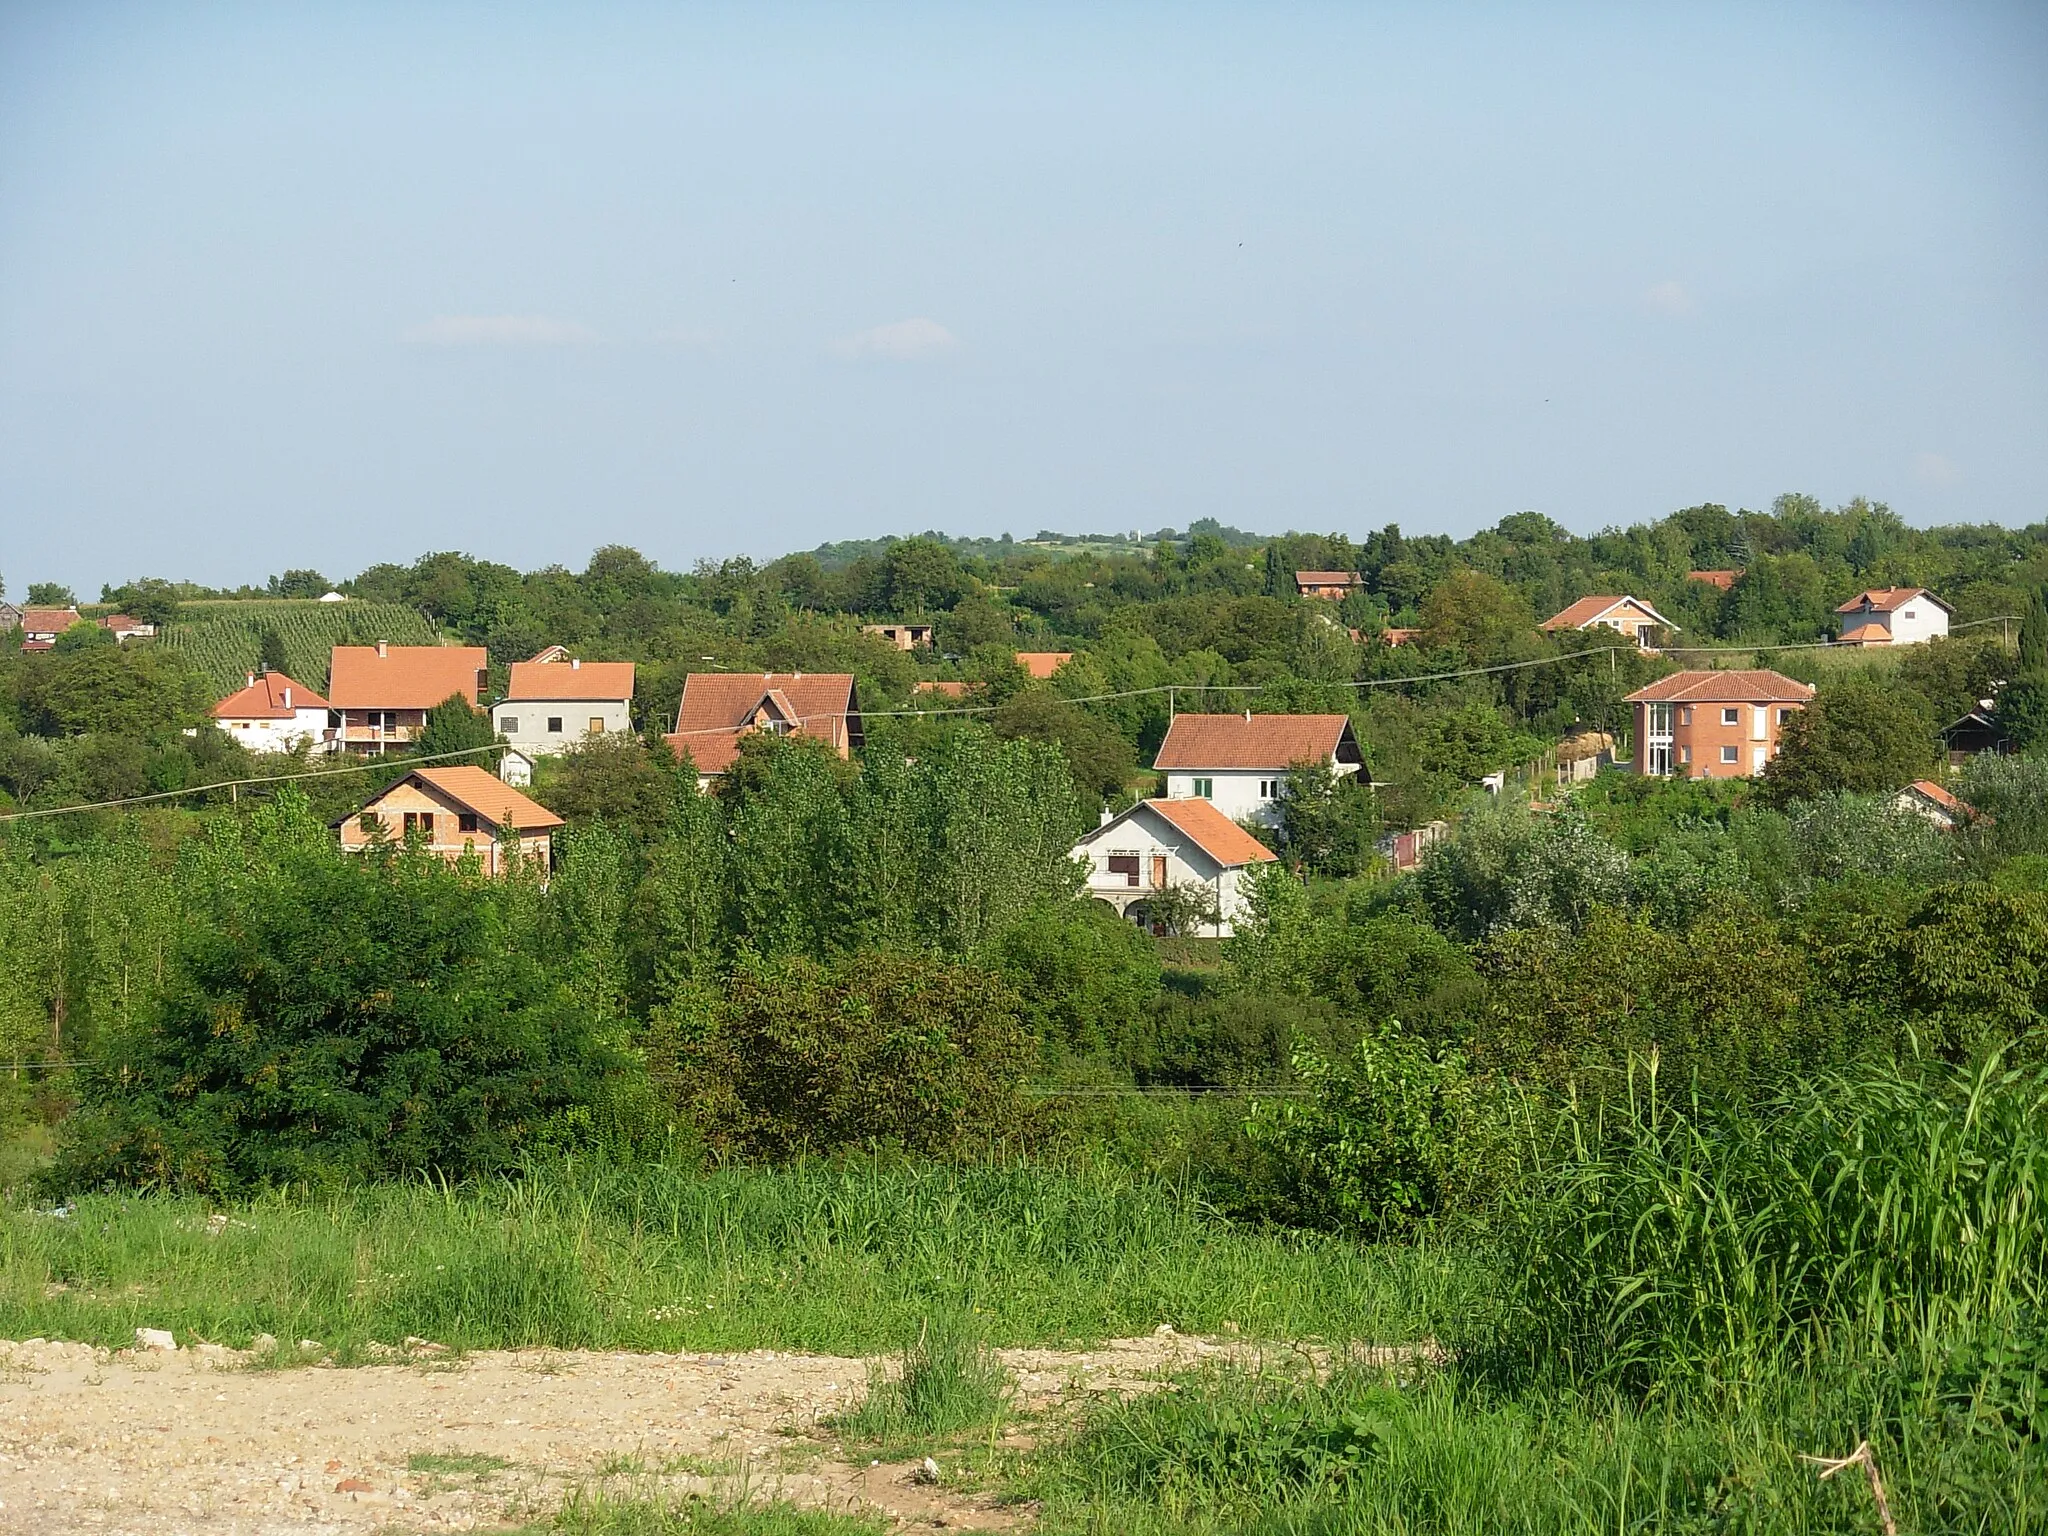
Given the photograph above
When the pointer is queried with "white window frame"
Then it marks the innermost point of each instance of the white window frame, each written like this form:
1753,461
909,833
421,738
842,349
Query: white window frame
1731,755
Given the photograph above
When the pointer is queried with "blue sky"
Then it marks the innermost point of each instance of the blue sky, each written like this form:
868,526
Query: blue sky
327,285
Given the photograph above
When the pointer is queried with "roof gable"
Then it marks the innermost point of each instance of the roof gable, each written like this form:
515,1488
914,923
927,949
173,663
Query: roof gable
1195,822
563,679
478,790
717,708
1042,664
1274,742
1889,600
1591,610
1723,687
264,699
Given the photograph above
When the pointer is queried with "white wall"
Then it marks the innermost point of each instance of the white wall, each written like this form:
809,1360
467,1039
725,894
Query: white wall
1147,836
1918,621
1249,796
281,735
532,735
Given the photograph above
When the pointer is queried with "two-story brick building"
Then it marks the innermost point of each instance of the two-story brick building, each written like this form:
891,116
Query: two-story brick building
381,693
1713,725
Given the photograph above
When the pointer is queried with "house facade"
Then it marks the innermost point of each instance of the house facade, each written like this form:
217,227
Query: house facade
381,693
1932,803
905,637
1893,616
1713,725
10,616
1159,847
720,709
455,811
556,700
1240,763
124,628
272,713
1328,586
1629,616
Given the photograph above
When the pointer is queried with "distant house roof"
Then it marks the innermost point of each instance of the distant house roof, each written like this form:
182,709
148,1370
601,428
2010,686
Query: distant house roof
719,708
944,687
1927,789
564,678
1042,664
404,676
1722,579
1887,599
1866,634
1328,579
1723,687
263,699
1255,741
49,621
480,790
1588,611
124,624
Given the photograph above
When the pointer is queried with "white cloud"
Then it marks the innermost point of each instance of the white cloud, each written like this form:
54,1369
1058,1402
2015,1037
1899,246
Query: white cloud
1669,297
901,341
1933,469
499,331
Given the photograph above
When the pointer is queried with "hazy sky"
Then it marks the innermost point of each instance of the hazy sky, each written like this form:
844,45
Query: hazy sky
338,283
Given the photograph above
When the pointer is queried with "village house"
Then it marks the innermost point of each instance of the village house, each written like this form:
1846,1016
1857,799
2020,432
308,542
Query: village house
945,688
905,637
1042,664
455,810
1159,848
556,700
123,628
1893,616
1329,586
382,692
40,627
271,713
10,616
1713,725
1724,580
719,709
516,767
1240,762
1978,731
1929,801
1629,616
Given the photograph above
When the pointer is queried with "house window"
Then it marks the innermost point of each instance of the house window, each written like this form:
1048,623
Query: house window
1731,716
554,725
1268,788
1784,715
1728,754
509,724
1205,789
597,725
1657,752
1685,754
420,821
465,821
1126,865
1685,715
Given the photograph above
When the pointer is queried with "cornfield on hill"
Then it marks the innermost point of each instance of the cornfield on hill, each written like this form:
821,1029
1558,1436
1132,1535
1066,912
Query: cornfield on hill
222,639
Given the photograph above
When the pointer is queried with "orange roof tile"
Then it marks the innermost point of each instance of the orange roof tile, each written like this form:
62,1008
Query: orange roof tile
1886,599
1588,610
49,621
263,699
1722,579
1867,634
1042,664
480,790
1213,832
405,676
943,687
1930,790
1328,579
1723,687
564,679
1254,741
718,708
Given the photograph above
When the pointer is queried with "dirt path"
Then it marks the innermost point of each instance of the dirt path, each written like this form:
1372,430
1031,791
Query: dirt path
194,1441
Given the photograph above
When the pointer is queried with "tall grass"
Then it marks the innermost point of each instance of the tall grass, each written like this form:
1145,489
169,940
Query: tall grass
1893,1217
948,1381
839,1259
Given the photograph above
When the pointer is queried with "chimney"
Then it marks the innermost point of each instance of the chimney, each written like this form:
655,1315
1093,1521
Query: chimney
1106,817
1247,717
575,663
252,681
384,650
287,698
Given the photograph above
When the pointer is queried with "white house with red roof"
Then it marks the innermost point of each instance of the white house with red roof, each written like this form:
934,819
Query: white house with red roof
1624,615
272,713
1933,803
1240,762
557,700
40,627
1893,616
1162,846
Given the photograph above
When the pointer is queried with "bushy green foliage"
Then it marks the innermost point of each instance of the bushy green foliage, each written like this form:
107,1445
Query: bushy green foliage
1082,975
1856,735
794,1057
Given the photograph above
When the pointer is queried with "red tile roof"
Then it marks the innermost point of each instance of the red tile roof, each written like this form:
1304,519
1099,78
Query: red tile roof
1886,599
718,708
49,621
1723,687
1588,610
943,687
1722,579
1042,664
1213,832
405,677
1867,634
538,680
1928,789
1328,579
480,790
124,624
1253,741
264,699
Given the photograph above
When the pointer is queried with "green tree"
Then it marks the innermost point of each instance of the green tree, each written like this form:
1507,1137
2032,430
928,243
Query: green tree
1476,613
921,576
1097,754
50,594
1328,824
131,691
270,655
456,725
1856,735
615,778
2034,635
